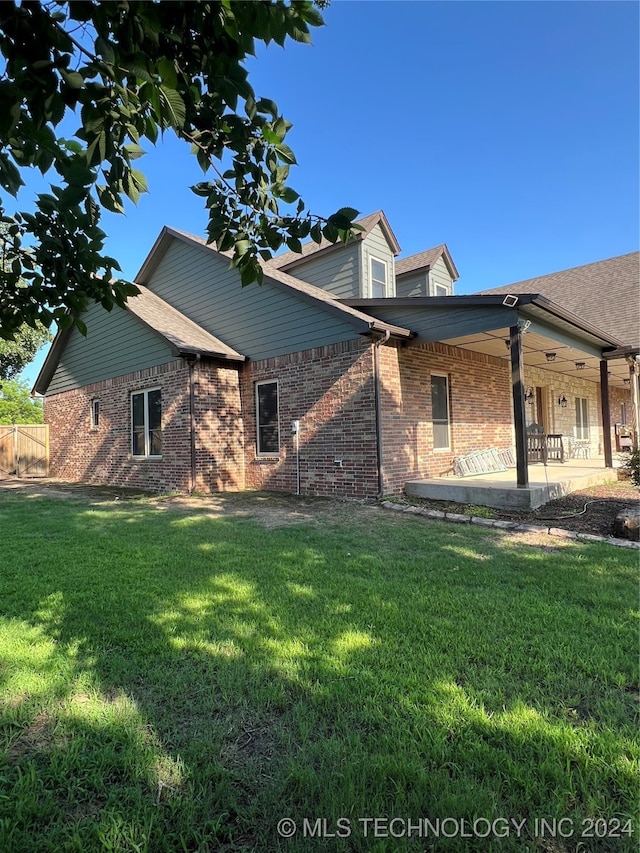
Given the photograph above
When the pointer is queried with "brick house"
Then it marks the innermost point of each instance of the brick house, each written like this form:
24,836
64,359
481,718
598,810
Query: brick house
347,372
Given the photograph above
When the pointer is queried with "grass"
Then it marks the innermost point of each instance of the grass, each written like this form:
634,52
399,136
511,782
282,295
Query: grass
175,681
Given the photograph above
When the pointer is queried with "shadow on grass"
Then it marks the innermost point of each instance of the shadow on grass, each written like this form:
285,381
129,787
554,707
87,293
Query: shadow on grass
175,681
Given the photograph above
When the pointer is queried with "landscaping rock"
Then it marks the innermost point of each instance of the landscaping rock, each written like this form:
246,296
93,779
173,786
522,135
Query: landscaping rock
627,523
458,517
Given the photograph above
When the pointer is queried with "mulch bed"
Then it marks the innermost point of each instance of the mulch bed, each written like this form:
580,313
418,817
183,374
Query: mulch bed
591,510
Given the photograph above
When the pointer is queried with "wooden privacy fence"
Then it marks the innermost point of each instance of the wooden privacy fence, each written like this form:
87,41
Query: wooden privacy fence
24,450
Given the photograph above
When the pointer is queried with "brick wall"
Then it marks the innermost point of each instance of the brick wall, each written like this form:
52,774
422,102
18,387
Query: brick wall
330,390
480,408
219,429
79,452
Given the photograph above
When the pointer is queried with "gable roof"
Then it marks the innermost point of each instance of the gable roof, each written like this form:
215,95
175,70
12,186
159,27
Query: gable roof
425,260
289,260
605,293
363,322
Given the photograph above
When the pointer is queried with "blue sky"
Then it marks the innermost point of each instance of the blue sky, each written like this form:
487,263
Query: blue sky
507,130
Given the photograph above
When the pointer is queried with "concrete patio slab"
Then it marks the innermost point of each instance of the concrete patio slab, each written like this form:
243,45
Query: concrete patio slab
499,490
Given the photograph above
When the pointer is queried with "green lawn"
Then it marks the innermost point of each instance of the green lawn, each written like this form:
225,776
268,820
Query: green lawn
175,681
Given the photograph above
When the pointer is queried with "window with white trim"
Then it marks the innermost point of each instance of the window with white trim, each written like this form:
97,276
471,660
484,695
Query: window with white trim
440,411
95,414
267,418
441,290
146,424
378,279
582,417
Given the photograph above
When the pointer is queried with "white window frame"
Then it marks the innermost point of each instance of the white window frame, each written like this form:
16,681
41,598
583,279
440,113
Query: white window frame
259,452
443,287
385,289
147,438
442,449
582,418
95,414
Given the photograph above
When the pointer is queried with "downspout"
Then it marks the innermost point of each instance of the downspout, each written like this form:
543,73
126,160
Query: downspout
192,419
376,391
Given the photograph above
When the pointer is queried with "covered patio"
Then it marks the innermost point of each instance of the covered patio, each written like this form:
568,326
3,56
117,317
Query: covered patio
500,490
564,375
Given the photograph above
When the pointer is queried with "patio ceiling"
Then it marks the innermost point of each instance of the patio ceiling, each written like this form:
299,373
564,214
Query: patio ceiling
534,349
482,323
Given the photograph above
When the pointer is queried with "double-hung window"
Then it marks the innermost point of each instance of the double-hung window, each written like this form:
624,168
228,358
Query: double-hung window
267,419
95,414
582,418
440,411
146,424
378,279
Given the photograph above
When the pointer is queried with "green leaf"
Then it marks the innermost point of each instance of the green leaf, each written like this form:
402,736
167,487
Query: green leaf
134,151
289,195
349,213
286,154
72,78
316,233
173,107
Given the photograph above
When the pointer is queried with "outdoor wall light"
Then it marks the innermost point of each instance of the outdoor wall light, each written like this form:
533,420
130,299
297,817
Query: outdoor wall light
550,356
580,365
562,401
507,343
528,395
626,380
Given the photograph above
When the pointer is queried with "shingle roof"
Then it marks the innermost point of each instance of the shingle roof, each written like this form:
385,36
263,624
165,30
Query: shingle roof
605,293
425,260
181,332
366,222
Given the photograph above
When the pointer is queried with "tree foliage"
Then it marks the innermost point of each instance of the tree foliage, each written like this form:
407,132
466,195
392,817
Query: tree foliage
17,353
16,406
130,71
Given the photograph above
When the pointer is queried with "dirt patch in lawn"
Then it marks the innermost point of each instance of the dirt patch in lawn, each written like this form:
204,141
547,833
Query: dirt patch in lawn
591,510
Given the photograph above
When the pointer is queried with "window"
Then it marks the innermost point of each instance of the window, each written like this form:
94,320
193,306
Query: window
146,423
440,411
582,417
95,414
267,421
441,290
378,279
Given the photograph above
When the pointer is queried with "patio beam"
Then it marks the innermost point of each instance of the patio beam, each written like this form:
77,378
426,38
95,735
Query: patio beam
606,413
519,421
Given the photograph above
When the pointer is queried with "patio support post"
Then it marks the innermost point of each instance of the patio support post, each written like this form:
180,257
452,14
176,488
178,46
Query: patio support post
606,414
517,385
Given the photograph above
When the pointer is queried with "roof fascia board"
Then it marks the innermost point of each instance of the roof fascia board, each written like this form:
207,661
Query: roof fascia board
388,232
523,300
52,360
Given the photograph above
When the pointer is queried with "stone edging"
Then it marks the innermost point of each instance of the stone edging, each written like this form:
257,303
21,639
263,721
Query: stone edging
458,518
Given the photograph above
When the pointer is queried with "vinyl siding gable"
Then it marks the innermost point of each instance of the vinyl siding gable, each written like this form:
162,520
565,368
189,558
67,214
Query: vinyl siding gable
414,285
375,245
116,343
260,321
439,275
337,272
